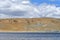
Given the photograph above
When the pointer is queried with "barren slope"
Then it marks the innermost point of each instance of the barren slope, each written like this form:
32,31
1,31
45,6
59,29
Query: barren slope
32,24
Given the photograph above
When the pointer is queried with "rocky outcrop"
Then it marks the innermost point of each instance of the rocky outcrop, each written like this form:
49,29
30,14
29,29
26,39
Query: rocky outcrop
30,24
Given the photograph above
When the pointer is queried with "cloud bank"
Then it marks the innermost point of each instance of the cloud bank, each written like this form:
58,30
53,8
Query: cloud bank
25,9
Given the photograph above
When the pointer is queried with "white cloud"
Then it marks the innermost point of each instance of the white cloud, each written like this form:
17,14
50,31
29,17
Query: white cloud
24,9
49,10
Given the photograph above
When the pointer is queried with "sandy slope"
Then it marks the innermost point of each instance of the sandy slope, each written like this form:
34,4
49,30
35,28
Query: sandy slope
30,24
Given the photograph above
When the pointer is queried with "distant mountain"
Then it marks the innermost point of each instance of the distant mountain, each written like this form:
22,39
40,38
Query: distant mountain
30,24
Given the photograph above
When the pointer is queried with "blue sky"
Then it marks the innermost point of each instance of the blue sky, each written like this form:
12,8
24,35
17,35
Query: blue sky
29,8
56,2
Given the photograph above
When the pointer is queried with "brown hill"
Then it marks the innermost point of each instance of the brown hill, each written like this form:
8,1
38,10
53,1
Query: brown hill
30,24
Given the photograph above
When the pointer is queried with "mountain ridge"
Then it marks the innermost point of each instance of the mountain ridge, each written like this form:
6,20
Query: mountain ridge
30,24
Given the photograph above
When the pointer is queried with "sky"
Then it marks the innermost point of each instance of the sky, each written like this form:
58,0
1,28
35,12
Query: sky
55,2
29,8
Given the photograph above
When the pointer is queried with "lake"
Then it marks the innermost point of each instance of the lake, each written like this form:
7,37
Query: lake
29,36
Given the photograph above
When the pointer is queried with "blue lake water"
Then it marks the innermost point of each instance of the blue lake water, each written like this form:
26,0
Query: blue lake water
29,36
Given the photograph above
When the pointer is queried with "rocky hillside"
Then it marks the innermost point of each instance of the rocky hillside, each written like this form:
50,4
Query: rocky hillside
30,24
